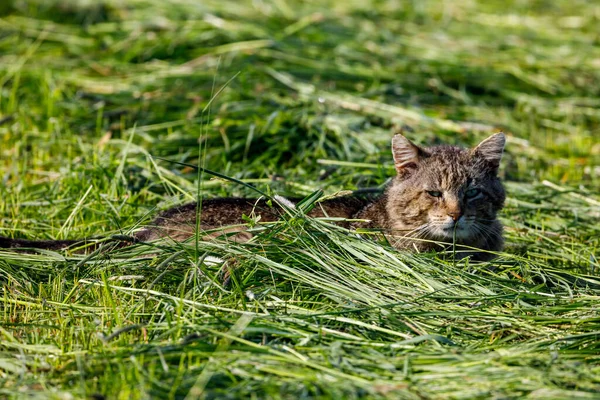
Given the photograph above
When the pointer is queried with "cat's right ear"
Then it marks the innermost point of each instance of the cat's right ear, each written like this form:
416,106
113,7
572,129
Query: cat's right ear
491,149
406,154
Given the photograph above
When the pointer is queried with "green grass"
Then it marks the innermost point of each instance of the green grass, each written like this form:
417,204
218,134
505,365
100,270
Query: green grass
294,96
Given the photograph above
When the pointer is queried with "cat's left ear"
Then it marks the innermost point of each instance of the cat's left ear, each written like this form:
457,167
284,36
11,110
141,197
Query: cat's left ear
491,149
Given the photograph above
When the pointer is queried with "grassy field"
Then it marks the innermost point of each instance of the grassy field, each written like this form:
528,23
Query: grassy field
294,96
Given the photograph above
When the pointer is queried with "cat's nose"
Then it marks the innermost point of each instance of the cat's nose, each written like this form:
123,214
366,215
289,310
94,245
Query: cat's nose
455,215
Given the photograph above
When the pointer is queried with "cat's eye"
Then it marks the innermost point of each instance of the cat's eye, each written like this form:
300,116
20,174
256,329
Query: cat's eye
434,193
472,193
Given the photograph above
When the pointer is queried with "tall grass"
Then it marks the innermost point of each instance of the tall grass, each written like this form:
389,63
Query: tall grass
292,97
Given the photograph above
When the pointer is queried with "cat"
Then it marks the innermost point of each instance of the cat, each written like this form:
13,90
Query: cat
442,197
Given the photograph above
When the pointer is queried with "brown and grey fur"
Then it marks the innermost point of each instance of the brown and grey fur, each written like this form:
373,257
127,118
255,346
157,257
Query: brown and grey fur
441,195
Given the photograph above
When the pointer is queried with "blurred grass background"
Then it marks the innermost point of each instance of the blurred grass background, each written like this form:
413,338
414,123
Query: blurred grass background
294,96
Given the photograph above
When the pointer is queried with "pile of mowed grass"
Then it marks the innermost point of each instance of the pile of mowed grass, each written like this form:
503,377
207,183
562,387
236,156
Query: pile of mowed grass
309,311
291,97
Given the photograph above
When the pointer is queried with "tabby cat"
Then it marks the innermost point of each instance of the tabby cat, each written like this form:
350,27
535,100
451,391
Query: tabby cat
441,197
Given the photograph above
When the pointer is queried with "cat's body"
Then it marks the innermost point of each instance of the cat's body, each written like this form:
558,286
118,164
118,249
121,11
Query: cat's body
441,196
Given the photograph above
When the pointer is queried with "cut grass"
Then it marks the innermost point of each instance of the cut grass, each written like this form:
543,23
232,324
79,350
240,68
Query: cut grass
92,94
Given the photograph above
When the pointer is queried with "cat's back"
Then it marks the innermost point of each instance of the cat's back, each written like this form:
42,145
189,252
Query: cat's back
180,222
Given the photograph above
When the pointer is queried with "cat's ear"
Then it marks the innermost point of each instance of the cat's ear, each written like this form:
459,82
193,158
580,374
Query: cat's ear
406,154
491,149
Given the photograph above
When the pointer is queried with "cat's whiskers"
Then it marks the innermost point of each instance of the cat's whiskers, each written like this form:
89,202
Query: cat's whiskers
417,233
411,233
478,219
429,231
490,234
484,230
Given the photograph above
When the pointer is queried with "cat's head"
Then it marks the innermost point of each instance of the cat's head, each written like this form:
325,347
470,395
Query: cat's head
446,192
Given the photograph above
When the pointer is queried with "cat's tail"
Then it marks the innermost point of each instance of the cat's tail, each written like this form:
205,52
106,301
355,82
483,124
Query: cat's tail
79,245
24,244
